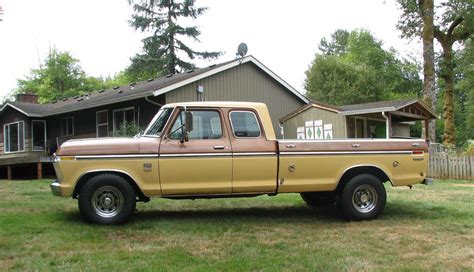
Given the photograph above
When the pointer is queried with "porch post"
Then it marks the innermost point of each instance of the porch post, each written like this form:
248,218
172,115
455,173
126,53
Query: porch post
39,169
427,129
388,125
9,172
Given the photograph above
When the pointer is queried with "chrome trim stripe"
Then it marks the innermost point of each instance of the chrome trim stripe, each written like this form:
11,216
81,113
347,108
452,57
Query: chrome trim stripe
128,156
240,154
188,155
345,152
350,141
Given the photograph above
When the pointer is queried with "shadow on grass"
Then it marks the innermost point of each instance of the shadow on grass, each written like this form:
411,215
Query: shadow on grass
422,211
280,214
330,214
277,214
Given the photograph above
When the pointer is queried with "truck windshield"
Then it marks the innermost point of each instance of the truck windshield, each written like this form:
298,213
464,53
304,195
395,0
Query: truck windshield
155,128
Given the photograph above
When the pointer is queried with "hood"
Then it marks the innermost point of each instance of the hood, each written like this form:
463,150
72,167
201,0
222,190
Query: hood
104,146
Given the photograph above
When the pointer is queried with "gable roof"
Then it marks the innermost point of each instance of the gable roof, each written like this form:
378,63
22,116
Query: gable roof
392,105
142,89
364,108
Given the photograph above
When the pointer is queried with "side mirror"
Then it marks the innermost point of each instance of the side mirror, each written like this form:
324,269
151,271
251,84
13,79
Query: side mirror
188,121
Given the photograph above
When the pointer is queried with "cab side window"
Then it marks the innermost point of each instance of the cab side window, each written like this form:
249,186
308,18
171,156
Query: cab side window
245,124
206,125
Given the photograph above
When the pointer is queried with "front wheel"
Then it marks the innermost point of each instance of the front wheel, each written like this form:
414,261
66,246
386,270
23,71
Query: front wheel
363,198
107,199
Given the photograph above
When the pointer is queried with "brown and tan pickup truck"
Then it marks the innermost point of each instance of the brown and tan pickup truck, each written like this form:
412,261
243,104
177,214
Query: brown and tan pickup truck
228,149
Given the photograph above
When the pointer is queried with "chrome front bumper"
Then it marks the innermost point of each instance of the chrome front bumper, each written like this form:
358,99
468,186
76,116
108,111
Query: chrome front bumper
428,181
56,188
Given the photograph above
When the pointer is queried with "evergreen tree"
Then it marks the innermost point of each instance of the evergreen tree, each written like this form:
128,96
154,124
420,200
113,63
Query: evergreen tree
165,46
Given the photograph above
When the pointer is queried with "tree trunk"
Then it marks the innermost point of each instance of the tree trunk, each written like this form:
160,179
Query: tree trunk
172,60
448,108
429,83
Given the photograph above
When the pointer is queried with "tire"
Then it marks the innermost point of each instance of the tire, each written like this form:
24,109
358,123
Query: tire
317,199
363,198
107,199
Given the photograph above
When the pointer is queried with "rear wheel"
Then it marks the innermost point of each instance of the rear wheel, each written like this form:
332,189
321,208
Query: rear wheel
317,199
107,199
363,198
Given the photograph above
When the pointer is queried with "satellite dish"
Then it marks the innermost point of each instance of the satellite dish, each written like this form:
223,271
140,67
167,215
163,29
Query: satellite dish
242,50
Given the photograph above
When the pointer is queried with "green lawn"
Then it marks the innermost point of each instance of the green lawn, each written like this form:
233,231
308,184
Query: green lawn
426,228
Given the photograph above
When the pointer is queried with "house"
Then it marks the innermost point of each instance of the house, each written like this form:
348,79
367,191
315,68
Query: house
31,132
384,119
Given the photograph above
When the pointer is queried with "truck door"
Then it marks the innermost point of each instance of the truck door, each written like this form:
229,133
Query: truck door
255,159
200,166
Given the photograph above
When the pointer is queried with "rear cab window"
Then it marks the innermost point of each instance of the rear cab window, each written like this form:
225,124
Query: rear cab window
245,124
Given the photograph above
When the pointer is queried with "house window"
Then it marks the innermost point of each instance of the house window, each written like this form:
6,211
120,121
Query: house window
123,115
14,137
67,126
102,123
38,132
244,124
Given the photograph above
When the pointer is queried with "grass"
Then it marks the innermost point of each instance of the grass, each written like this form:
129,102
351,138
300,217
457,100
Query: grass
426,228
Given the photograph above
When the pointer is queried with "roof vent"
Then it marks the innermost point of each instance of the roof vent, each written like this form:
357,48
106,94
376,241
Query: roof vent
76,97
150,79
64,99
120,91
80,99
54,101
190,71
170,75
133,84
116,87
101,91
212,66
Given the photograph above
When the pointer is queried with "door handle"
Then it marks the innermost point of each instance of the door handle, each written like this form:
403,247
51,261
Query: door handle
415,144
219,147
355,145
290,146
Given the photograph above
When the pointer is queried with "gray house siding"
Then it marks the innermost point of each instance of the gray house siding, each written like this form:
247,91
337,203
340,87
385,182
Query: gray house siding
338,122
245,82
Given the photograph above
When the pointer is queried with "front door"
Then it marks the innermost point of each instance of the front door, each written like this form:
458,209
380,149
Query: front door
200,166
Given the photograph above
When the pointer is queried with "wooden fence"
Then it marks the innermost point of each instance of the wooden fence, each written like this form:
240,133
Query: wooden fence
451,166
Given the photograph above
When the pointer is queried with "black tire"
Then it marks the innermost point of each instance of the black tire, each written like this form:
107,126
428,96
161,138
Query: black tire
107,199
363,198
318,199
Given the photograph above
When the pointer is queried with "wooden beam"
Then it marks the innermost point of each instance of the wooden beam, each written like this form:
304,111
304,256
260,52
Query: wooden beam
39,169
410,115
9,172
389,130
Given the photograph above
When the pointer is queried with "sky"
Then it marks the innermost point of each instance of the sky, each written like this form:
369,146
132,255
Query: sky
283,35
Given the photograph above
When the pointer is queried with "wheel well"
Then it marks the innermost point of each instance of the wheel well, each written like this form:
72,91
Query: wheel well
373,170
84,178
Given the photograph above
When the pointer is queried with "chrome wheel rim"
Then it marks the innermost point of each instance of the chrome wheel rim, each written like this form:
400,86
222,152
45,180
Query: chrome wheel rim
107,201
364,198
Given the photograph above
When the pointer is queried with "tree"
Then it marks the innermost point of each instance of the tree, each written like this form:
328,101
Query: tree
332,80
163,48
429,81
354,68
59,76
454,23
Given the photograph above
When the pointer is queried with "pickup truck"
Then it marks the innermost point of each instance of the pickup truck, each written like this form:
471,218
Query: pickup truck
229,149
